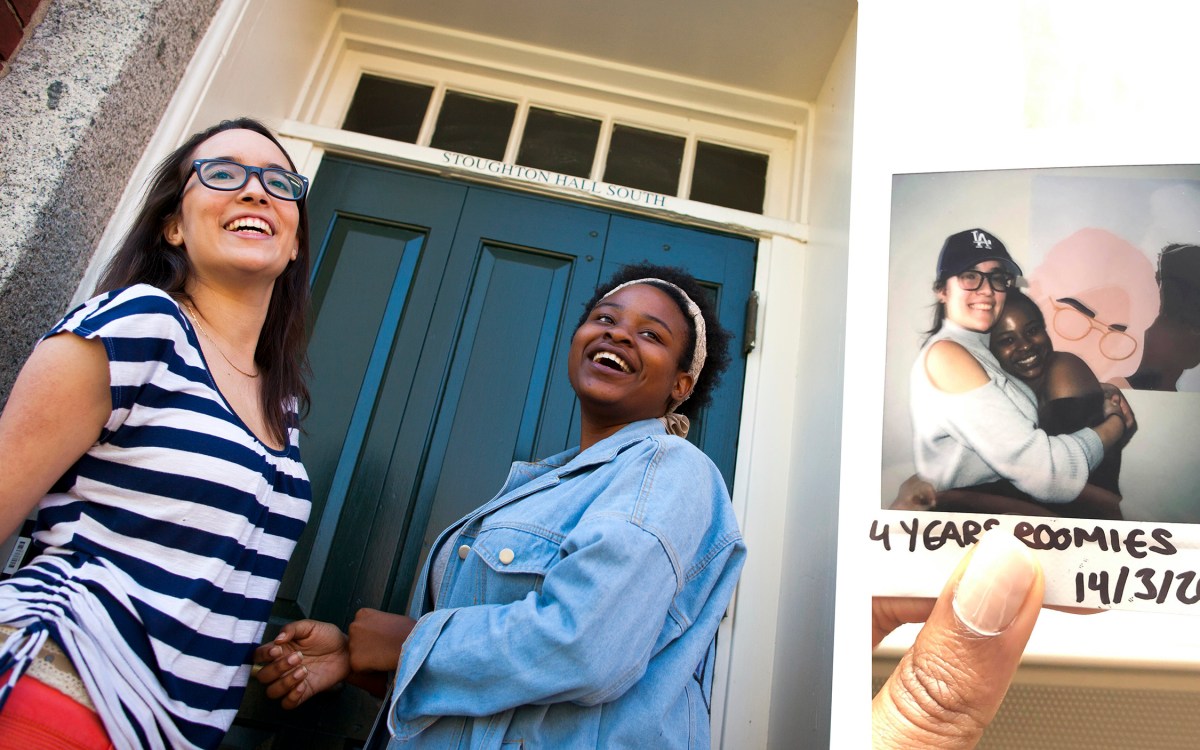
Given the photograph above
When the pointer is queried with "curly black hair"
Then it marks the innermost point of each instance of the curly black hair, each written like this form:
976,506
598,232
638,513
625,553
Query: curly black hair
716,338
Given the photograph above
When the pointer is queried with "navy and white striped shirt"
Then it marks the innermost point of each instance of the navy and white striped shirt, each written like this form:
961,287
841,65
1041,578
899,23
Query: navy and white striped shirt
165,543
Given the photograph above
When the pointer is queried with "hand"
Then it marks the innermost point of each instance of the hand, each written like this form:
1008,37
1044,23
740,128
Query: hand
306,658
376,639
948,687
915,494
1115,403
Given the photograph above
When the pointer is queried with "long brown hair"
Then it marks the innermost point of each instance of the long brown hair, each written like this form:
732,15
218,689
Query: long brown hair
145,257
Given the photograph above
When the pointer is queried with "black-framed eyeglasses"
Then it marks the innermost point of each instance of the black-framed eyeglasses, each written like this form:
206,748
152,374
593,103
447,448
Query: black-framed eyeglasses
1000,281
222,174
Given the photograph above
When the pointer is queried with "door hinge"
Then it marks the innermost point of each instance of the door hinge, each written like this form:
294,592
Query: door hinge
750,332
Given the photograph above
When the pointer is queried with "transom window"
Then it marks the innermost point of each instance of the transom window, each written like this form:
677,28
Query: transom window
569,143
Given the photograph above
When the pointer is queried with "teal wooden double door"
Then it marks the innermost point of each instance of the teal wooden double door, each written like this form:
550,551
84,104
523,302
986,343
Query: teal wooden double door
441,319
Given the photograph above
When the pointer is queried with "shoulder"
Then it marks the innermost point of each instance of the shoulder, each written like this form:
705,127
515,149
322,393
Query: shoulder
953,369
140,310
663,452
1067,375
678,480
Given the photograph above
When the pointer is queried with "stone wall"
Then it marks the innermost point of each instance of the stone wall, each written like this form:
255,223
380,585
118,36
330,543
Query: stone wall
78,104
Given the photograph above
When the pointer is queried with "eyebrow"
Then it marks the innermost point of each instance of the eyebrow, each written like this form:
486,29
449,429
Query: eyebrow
1088,312
656,319
1078,306
271,165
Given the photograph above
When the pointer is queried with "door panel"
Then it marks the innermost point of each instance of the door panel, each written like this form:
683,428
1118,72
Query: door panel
518,265
376,275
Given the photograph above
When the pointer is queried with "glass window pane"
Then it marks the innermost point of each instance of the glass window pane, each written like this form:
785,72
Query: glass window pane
645,160
729,177
559,142
388,108
474,125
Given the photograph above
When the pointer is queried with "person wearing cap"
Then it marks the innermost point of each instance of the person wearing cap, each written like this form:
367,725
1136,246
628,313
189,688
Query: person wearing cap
974,425
579,607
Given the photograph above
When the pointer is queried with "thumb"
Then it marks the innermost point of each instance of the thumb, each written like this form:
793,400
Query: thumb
949,685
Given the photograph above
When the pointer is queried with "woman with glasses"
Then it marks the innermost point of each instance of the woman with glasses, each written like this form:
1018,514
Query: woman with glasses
974,426
154,428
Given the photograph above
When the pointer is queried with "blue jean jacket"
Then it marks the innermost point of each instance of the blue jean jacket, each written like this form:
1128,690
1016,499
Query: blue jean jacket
579,607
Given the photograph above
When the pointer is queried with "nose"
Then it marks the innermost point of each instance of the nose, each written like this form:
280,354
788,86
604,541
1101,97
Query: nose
253,190
618,332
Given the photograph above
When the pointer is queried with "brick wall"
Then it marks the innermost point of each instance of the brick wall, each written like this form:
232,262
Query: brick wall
16,16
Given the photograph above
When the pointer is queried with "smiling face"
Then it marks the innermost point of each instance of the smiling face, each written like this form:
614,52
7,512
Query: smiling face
1020,341
624,359
974,310
243,233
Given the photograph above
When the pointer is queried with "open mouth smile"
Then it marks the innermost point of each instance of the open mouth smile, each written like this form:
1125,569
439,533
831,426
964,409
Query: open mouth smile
612,362
250,224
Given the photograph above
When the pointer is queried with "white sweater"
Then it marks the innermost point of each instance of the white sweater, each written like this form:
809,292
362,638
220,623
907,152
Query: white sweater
990,433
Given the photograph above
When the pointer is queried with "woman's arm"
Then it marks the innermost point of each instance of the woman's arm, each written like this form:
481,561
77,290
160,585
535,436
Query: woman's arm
1075,399
58,407
980,415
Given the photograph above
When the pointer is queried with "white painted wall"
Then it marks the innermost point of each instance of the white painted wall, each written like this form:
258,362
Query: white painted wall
951,86
804,657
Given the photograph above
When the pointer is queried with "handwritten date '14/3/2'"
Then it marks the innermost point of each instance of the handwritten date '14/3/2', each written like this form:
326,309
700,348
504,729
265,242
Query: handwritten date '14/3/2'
1146,584
1110,585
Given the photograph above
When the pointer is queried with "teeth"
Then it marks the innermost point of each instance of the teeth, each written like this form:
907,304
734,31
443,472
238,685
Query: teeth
249,223
614,359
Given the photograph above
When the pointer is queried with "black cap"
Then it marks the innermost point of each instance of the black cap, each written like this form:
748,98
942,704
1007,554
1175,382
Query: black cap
970,247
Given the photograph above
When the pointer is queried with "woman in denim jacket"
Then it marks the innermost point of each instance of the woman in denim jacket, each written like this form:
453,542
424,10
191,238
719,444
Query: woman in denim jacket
579,607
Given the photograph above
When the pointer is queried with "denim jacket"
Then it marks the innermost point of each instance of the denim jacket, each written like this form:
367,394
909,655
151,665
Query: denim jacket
579,608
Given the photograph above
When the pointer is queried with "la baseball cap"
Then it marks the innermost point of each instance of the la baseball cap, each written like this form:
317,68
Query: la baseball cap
966,249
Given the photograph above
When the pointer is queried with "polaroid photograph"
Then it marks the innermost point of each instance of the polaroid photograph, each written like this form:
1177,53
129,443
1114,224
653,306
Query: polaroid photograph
1042,375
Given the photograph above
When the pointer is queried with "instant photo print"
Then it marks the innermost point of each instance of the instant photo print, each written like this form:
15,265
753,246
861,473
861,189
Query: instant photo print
1107,300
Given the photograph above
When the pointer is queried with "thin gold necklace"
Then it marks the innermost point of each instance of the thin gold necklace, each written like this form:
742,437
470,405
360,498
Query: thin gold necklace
195,314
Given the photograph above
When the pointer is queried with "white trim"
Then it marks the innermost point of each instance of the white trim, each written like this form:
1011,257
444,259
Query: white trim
361,43
766,447
416,42
450,164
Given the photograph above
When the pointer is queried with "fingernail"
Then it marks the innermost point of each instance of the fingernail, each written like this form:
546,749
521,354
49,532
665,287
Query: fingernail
995,584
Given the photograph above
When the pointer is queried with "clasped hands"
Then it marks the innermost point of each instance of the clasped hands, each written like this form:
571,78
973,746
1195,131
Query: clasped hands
309,656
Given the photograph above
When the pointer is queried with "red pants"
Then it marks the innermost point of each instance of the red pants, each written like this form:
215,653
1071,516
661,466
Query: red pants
38,717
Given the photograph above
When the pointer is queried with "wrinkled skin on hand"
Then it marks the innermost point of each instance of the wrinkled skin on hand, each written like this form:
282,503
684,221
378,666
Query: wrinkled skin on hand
949,685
